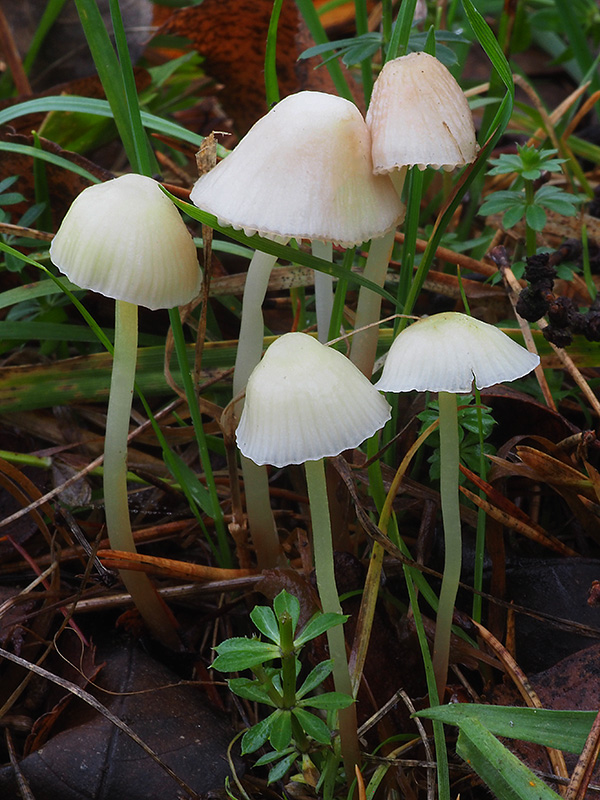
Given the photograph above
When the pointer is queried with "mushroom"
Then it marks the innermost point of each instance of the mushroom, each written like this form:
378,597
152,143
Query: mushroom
304,402
303,171
445,353
418,117
126,240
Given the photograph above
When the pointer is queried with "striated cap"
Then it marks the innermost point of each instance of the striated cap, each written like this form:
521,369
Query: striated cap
303,171
125,239
419,116
446,352
305,401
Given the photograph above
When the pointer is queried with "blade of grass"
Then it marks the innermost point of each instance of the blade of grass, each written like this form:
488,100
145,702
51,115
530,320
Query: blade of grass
101,108
271,83
284,252
401,30
145,162
107,65
313,23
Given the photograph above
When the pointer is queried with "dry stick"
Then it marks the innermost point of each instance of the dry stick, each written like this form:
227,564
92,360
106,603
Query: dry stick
582,773
524,687
91,700
513,290
13,59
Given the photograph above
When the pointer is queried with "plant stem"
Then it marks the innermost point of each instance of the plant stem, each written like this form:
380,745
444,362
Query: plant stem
256,483
325,574
530,234
139,586
323,290
364,343
449,460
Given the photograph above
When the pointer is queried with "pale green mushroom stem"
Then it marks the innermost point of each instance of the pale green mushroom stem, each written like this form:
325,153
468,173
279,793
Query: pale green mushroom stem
154,612
250,346
323,290
364,343
325,574
449,473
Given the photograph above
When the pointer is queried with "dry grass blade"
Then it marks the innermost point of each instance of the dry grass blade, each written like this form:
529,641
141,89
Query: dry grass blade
524,687
582,774
506,512
166,567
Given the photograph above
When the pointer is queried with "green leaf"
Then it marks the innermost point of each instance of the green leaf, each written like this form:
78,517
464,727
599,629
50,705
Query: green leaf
250,690
274,755
536,217
330,701
514,214
318,625
315,677
287,604
500,201
313,726
257,735
563,730
280,734
242,653
505,775
264,619
280,769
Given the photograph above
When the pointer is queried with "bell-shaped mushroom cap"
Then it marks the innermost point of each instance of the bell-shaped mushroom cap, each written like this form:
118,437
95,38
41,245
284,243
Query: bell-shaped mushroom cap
446,352
305,401
419,116
125,239
303,171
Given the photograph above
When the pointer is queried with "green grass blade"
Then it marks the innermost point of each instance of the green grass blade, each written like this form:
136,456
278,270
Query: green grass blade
506,776
282,251
145,163
271,83
563,730
313,23
401,31
109,71
90,105
51,158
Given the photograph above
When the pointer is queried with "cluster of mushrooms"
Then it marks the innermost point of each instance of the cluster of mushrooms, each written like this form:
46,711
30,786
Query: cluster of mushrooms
311,169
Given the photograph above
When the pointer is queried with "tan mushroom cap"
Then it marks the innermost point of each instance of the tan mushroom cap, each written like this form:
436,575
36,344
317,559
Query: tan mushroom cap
125,239
446,352
305,401
303,171
419,116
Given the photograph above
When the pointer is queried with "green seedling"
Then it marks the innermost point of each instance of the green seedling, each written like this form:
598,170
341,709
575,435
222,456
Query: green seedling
524,200
295,733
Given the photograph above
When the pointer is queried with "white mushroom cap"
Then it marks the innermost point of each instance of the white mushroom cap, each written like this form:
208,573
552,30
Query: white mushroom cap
446,352
305,401
303,171
125,239
419,116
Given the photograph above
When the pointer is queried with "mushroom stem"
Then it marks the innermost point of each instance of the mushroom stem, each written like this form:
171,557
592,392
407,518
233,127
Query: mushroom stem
449,461
364,342
147,601
252,326
323,290
250,345
325,574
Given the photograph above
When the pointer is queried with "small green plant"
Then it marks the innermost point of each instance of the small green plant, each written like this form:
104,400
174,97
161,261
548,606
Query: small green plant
295,733
468,434
529,164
